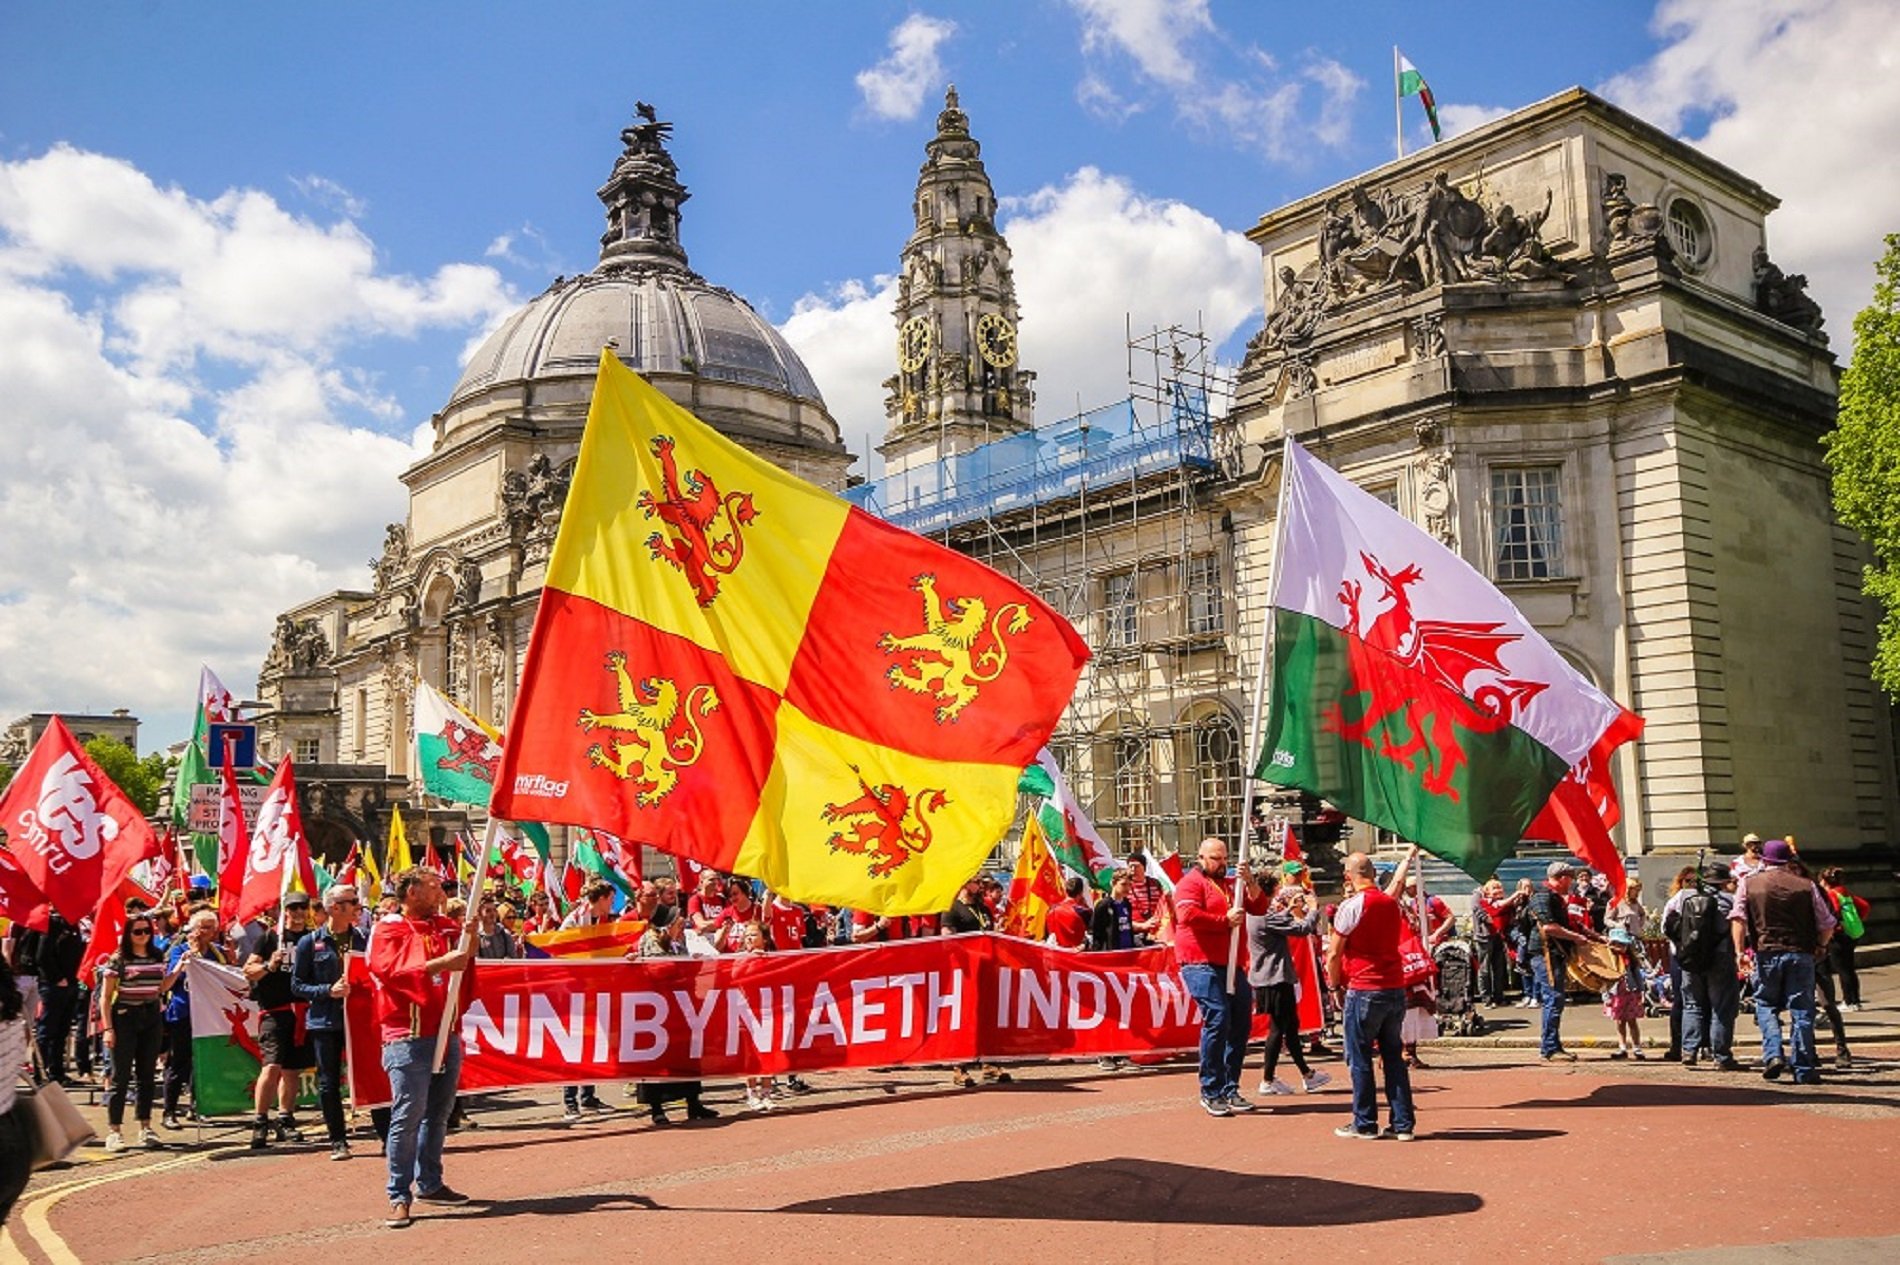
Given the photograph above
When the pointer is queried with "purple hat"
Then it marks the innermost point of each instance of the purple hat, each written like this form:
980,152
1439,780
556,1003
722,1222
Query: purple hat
1777,852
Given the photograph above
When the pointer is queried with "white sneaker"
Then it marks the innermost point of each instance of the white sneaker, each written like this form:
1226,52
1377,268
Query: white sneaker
1316,1082
755,1103
114,1142
1276,1087
147,1137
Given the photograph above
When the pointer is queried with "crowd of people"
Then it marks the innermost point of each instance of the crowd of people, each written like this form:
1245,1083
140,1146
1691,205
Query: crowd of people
1759,930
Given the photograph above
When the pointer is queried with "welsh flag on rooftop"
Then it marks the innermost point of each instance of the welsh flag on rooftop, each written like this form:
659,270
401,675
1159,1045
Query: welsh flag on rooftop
1412,84
1411,692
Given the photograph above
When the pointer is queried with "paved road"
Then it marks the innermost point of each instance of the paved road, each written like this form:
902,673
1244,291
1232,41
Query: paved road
1591,1161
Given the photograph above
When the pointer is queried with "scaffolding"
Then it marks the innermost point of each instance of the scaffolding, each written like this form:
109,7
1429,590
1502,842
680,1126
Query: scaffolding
1114,517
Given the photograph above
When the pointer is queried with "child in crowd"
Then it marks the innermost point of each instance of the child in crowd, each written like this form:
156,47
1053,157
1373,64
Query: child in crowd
1623,1000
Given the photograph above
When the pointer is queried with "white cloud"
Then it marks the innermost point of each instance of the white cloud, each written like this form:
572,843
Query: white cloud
894,88
1804,96
330,195
1086,252
1455,118
153,521
1177,50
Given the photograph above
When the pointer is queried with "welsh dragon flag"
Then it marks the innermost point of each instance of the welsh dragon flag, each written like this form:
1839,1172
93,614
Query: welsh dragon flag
458,753
1411,693
224,1052
1070,834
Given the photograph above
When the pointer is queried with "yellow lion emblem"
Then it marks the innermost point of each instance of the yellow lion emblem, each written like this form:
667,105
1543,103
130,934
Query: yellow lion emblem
654,736
961,647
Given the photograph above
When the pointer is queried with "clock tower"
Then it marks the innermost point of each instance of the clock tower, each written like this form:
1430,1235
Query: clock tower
958,381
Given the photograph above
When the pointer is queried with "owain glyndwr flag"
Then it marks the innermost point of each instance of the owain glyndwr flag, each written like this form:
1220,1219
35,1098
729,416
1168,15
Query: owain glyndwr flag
1410,692
741,669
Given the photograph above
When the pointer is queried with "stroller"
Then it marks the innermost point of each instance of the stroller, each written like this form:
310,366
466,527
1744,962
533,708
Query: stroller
1457,989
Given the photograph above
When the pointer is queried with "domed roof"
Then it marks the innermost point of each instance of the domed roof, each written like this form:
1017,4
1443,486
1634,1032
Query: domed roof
699,343
660,320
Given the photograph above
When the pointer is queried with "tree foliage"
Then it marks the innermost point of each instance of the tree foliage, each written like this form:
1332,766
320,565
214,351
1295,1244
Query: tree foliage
141,780
1864,453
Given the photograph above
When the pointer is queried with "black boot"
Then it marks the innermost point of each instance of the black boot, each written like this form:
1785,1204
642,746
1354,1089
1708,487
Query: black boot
260,1133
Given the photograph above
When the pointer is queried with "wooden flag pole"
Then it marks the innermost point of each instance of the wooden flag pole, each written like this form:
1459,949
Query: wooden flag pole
450,1021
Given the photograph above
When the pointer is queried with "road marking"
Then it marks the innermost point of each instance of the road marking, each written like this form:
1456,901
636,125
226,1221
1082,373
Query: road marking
35,1222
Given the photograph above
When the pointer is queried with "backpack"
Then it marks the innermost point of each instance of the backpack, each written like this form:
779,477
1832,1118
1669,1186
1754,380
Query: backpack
1851,922
1699,931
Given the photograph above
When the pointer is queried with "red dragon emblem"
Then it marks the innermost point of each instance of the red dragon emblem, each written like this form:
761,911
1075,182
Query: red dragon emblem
470,751
1446,653
887,824
240,1034
701,536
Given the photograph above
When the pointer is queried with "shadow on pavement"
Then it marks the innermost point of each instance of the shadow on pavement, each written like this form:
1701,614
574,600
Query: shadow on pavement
541,1206
1496,1134
1147,1192
1678,1094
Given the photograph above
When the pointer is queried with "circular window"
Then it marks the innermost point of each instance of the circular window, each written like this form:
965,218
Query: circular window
1689,233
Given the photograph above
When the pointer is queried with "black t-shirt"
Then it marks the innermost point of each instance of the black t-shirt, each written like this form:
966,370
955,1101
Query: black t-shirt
271,990
1549,906
964,917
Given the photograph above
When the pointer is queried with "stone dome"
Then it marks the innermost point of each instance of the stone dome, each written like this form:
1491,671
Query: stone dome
699,343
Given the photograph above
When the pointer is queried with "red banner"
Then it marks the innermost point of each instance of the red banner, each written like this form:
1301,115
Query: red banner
952,999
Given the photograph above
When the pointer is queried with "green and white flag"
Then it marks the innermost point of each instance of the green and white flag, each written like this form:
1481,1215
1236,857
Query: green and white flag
225,1057
1411,693
458,753
1078,846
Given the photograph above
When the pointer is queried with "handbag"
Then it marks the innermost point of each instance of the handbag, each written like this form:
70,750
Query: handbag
1851,921
58,1128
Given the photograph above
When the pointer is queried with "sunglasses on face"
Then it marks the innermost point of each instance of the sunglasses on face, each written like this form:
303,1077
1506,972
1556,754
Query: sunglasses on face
141,931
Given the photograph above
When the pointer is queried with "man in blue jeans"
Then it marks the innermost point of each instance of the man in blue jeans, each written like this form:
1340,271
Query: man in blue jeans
1205,925
1362,956
412,956
1552,935
1780,911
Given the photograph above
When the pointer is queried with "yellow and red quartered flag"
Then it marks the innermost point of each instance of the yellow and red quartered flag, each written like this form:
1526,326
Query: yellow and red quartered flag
739,668
1035,887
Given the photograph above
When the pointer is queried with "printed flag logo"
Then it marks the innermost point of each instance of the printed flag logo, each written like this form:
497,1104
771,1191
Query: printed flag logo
960,648
703,529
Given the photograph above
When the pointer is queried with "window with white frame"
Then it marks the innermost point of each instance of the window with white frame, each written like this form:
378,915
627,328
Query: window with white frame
1206,609
1121,609
1217,775
307,750
1527,522
1388,493
1134,779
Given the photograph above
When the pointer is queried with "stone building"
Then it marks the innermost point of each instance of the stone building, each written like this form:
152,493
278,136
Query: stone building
18,737
1560,344
452,595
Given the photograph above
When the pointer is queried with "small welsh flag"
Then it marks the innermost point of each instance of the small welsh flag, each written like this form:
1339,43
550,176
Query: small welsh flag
1412,84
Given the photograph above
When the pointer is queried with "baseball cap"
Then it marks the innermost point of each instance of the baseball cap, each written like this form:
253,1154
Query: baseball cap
1750,837
1559,869
297,900
1776,852
1292,867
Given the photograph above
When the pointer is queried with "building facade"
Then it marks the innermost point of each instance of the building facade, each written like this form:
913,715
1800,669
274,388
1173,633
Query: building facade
18,737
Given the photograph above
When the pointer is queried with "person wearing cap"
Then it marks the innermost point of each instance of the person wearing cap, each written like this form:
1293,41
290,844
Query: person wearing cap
1552,934
280,1036
1783,915
1750,861
319,978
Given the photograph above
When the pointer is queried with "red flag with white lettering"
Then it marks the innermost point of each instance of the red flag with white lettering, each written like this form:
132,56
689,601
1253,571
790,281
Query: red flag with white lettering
74,834
233,848
278,850
21,900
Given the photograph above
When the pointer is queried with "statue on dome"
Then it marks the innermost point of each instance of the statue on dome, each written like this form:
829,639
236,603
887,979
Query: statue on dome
649,134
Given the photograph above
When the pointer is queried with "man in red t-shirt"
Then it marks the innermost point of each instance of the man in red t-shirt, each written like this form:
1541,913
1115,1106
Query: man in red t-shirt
785,924
1068,922
869,928
705,907
1205,949
411,957
1363,957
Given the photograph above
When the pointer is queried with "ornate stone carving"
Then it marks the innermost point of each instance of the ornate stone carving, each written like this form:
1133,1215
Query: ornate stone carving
1429,431
532,500
1403,242
399,685
491,651
297,646
1784,296
1434,493
386,571
1627,222
643,195
456,651
1428,333
1302,375
468,582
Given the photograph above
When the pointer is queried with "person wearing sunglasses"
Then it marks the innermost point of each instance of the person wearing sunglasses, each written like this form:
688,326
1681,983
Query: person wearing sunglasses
131,987
319,977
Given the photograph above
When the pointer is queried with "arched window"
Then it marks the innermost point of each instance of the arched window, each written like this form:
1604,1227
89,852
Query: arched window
1217,775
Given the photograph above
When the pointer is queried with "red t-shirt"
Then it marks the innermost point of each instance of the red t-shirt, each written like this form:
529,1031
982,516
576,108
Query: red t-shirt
1370,957
409,1000
1202,934
710,908
1068,925
785,926
731,926
897,928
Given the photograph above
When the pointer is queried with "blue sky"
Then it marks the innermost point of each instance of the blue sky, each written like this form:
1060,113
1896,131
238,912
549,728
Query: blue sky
356,190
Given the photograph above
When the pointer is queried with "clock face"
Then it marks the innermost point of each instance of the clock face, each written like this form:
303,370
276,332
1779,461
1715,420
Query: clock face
996,340
913,343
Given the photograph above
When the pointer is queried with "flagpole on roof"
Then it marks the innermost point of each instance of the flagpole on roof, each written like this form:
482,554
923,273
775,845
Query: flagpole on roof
1398,102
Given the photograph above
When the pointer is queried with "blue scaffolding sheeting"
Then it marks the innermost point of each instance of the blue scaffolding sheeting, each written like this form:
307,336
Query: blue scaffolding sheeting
1051,463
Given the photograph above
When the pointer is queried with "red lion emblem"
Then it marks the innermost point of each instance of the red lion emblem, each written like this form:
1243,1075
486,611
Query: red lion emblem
470,751
702,526
887,824
1445,653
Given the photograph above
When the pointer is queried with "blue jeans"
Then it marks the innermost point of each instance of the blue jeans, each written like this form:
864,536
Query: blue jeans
1550,994
1785,981
1710,1001
1225,1020
418,1113
1377,1015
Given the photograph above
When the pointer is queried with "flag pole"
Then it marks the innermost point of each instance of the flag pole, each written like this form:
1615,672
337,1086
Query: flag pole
1398,102
1259,703
450,1021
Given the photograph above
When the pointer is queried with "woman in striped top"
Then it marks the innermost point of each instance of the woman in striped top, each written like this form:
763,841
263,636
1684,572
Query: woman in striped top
132,983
